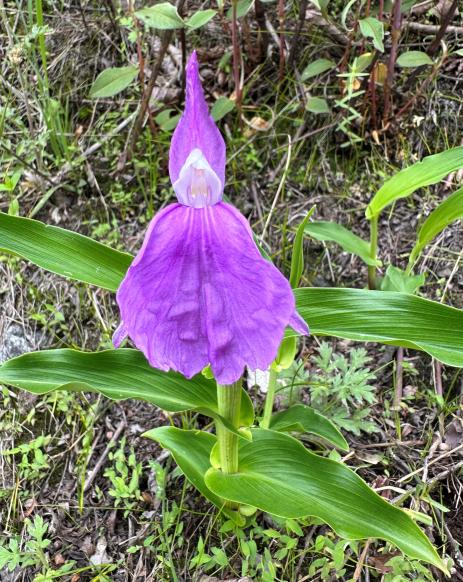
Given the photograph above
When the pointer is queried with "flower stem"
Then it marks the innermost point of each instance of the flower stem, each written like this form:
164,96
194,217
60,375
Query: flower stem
269,399
229,404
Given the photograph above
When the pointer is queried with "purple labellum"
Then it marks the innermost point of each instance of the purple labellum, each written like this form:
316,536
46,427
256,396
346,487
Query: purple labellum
199,292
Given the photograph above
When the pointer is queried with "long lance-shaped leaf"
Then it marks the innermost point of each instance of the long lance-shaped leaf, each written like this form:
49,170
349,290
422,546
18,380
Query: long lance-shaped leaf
385,317
63,252
350,242
118,374
448,211
429,171
278,475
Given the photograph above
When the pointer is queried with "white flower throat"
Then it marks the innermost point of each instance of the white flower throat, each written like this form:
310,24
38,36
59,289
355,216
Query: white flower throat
198,185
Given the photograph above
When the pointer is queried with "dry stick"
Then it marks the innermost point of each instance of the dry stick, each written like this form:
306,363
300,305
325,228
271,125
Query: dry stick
440,33
399,379
453,542
431,28
276,39
236,57
422,87
373,108
97,467
68,166
360,563
443,28
55,180
155,70
372,78
262,33
297,33
281,21
314,17
280,188
141,64
183,47
432,462
395,36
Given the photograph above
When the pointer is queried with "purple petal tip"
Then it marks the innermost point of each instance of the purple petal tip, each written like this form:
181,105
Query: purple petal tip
196,130
119,335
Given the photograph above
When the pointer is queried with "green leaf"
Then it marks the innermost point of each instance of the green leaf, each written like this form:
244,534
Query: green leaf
301,418
200,18
317,105
412,59
385,317
242,8
297,256
448,211
350,242
117,374
288,347
191,450
167,119
162,16
317,68
278,475
361,63
371,27
398,281
429,171
221,107
63,252
112,81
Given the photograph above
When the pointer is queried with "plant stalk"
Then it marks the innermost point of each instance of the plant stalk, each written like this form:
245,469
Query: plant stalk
229,405
270,398
395,37
373,252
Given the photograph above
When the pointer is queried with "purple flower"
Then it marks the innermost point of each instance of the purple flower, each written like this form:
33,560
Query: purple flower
199,292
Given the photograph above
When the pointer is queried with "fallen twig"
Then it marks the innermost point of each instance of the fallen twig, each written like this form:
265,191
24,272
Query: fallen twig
431,28
437,459
99,463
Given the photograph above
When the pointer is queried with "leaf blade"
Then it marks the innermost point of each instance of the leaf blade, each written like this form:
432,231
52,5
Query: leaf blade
191,450
200,18
316,68
372,28
163,16
331,231
112,81
221,107
278,475
63,252
310,421
385,317
317,105
424,173
448,211
117,374
412,59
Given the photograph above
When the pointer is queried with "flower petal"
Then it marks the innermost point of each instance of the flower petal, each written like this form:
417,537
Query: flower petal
200,292
196,129
119,335
298,324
